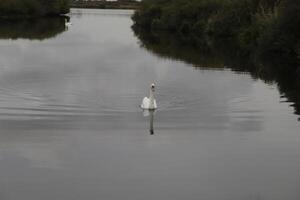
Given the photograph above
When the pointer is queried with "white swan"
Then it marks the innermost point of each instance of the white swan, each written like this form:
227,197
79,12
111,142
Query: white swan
68,24
150,103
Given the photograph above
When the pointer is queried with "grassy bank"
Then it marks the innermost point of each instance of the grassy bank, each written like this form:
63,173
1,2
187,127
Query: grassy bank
262,28
15,8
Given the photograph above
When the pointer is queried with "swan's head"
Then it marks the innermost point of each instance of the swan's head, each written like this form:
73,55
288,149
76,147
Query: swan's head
153,87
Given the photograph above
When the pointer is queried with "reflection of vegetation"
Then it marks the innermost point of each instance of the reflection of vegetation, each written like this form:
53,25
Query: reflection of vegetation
259,36
33,7
41,28
199,53
220,54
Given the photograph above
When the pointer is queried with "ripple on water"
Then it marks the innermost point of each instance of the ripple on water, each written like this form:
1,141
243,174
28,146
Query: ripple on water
27,105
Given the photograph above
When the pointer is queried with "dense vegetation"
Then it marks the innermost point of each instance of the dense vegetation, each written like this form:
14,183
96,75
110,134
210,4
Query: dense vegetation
33,7
260,28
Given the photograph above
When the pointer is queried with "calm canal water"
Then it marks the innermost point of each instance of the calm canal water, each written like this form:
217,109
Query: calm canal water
71,127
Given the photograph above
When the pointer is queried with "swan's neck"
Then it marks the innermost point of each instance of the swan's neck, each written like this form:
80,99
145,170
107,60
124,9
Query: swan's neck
151,99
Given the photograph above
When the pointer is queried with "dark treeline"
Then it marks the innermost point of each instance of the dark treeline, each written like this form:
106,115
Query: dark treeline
120,4
16,8
262,28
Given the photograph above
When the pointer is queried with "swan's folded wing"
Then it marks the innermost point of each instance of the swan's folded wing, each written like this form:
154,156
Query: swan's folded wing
155,105
145,103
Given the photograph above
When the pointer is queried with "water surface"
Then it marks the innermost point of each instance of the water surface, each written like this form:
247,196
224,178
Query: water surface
71,127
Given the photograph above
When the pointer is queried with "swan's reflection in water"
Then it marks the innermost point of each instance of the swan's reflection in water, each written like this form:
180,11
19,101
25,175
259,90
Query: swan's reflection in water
151,129
150,114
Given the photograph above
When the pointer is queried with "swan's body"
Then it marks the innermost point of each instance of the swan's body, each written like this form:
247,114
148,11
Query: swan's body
149,103
68,24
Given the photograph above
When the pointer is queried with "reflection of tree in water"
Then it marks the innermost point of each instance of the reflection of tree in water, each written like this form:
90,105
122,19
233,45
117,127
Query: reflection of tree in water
203,53
33,29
